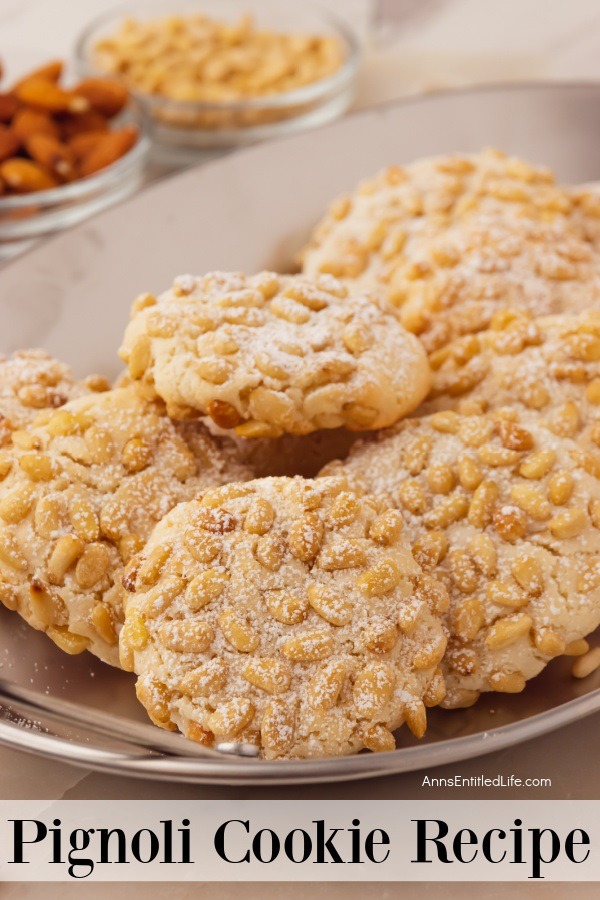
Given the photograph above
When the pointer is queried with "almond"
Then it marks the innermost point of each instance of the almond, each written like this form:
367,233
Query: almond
52,155
107,97
82,144
23,176
50,71
82,124
111,148
8,107
9,143
28,122
46,95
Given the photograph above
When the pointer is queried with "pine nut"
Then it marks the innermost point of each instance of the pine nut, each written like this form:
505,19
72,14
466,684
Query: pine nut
342,554
205,588
102,620
586,664
286,608
183,636
508,630
482,504
153,565
260,517
67,551
568,524
309,646
531,500
278,727
577,648
373,688
239,634
16,503
268,674
378,738
46,606
387,527
326,685
332,606
231,718
92,566
507,682
484,554
37,466
306,537
468,619
416,717
537,464
206,679
560,488
67,641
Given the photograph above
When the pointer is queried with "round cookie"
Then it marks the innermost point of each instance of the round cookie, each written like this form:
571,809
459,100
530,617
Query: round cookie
548,368
31,380
450,240
503,514
288,613
80,491
272,354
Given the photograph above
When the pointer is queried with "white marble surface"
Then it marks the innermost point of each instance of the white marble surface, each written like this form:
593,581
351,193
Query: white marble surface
410,45
438,43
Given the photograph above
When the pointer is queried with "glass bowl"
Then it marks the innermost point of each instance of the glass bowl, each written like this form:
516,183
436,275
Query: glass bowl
27,217
203,126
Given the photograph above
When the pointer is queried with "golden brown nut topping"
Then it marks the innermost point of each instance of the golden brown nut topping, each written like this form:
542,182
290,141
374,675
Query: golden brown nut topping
271,354
514,539
80,491
548,368
451,240
274,616
31,380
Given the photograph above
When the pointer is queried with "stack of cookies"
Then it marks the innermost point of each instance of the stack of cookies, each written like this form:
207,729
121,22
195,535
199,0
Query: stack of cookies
213,524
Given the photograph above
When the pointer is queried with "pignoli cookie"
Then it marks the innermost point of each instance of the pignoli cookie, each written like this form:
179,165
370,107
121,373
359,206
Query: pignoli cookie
451,240
31,380
508,519
272,354
548,368
80,490
288,613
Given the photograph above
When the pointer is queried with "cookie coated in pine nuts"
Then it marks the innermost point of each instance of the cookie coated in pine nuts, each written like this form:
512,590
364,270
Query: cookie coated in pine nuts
548,368
271,354
80,491
288,613
450,240
31,380
503,514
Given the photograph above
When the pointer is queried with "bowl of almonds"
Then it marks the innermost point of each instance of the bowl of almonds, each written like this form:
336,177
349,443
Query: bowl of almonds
67,150
220,73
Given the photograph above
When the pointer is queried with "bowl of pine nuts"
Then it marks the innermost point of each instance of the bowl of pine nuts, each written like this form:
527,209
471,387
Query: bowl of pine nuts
221,73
